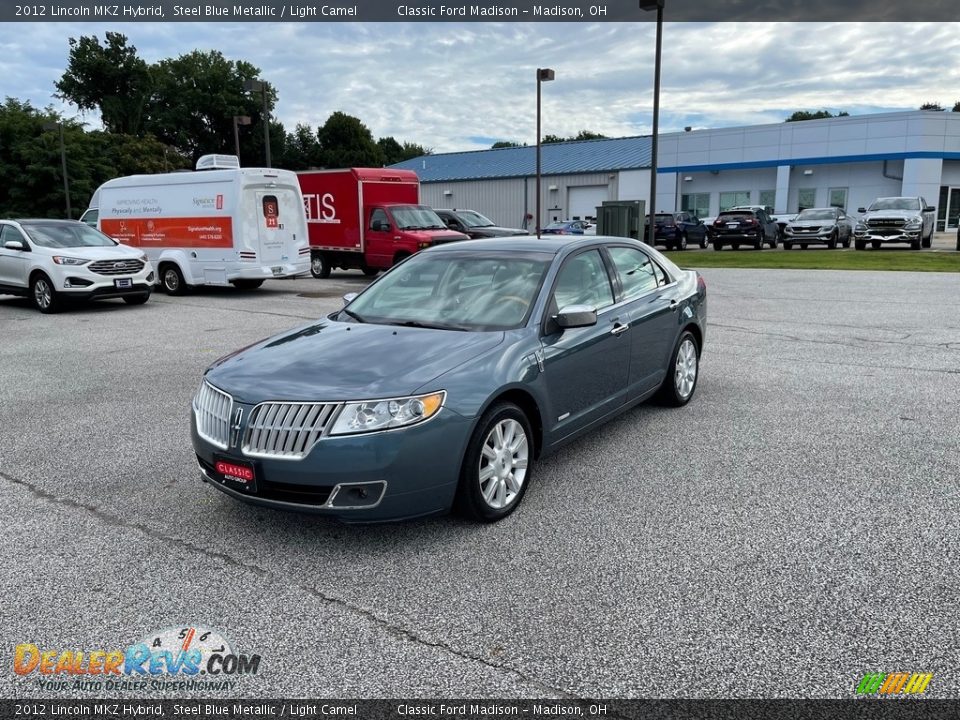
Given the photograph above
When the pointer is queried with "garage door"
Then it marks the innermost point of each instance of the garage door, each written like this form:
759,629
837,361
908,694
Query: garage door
583,201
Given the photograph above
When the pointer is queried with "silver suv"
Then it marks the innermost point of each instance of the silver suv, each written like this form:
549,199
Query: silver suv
895,220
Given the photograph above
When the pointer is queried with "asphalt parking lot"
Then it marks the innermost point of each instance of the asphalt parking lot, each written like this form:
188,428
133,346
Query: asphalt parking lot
791,529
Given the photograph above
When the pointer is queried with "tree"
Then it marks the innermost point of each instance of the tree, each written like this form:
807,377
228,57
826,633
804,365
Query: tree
956,106
347,142
582,135
505,144
801,115
194,100
110,78
932,106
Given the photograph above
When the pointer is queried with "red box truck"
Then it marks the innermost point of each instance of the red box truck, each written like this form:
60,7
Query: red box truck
367,218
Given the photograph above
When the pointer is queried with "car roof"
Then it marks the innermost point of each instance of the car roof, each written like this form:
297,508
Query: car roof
44,221
552,244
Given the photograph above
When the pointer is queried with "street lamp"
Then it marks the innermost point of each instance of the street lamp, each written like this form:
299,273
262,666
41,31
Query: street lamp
543,75
238,120
258,86
658,6
63,162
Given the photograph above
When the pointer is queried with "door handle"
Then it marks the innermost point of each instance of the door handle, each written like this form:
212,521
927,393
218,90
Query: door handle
674,305
396,238
618,329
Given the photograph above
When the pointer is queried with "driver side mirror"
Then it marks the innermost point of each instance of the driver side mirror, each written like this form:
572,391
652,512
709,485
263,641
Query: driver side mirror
929,208
380,226
861,210
575,316
14,245
348,298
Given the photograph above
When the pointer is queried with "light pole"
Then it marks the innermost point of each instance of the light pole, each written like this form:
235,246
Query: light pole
238,120
261,87
63,162
543,75
658,6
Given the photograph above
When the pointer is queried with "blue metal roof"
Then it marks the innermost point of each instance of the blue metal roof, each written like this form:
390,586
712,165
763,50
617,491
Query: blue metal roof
579,156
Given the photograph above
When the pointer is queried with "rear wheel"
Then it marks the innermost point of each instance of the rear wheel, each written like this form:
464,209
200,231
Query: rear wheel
172,280
400,257
718,246
43,296
788,246
736,246
496,469
860,244
682,244
369,271
136,299
246,284
319,265
682,373
758,243
703,242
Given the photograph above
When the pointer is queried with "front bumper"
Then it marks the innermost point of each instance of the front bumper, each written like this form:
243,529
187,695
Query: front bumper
279,270
376,477
742,237
78,281
889,236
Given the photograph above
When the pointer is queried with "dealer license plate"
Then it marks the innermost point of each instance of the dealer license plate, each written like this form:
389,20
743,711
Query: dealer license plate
236,471
123,283
278,270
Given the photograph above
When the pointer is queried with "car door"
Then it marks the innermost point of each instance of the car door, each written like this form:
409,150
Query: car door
585,369
13,263
648,300
381,236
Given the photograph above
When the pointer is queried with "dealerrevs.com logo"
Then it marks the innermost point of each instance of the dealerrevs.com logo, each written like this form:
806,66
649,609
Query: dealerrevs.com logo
900,683
174,659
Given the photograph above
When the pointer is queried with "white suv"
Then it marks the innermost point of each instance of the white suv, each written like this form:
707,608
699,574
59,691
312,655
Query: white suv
52,260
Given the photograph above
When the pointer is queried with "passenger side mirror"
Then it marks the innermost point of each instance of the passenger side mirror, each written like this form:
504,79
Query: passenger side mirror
861,210
574,316
14,245
348,298
929,208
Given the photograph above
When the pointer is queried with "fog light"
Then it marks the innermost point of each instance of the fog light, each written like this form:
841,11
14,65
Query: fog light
150,278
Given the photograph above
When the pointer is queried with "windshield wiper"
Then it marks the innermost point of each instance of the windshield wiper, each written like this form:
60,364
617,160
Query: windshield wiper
354,315
429,326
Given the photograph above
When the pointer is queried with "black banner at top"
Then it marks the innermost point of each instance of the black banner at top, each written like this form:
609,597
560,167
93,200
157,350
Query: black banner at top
590,11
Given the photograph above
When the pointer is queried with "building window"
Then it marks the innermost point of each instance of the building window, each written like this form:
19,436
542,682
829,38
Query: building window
807,198
732,199
696,203
768,197
838,198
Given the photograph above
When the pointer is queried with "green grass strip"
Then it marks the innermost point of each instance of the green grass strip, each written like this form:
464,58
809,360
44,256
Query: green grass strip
939,261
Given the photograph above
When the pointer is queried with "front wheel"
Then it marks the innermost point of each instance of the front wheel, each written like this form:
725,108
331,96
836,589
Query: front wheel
718,246
682,245
788,246
172,280
703,243
319,266
860,244
875,245
43,296
682,373
832,242
758,243
496,469
926,242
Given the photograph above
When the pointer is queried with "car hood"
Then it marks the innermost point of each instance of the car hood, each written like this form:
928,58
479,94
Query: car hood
905,214
436,236
335,361
493,231
812,223
119,252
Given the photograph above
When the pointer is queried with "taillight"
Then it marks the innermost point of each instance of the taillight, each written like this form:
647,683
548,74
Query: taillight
701,283
718,222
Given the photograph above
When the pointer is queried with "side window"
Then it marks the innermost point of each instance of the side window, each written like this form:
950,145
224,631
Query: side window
583,280
380,216
638,273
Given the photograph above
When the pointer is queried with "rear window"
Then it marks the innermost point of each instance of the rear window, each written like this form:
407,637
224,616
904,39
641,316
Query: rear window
730,214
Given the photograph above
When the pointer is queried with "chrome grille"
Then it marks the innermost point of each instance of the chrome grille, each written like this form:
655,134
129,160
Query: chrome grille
286,430
213,407
116,267
806,229
886,222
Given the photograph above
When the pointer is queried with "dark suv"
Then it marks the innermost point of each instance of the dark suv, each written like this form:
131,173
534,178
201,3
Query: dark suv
752,227
675,230
475,225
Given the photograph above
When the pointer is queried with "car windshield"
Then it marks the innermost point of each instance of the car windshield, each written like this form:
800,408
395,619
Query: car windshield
474,291
416,217
471,218
817,215
898,203
56,235
556,225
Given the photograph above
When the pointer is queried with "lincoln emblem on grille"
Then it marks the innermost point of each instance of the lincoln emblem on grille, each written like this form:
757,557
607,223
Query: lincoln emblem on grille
235,427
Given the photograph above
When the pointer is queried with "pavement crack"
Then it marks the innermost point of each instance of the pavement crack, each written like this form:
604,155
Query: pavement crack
391,628
240,310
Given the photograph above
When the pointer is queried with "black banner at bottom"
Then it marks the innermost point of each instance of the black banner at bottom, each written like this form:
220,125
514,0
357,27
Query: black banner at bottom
908,709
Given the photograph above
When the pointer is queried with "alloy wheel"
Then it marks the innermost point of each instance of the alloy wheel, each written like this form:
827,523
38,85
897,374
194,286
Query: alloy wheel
42,293
685,370
503,463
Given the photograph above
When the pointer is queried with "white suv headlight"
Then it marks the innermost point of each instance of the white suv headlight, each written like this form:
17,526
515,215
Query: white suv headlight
914,224
61,260
374,415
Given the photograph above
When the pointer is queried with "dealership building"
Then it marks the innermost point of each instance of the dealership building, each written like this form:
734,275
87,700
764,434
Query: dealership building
843,161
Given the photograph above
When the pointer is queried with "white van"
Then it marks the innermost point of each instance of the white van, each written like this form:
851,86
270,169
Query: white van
221,224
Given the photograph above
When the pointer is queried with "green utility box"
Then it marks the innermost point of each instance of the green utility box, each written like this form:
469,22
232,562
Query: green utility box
620,218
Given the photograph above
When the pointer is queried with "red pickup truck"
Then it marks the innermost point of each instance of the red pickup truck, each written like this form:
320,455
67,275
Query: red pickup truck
367,218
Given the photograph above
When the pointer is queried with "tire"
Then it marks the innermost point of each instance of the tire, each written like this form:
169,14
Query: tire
703,242
43,296
136,299
915,244
758,243
926,242
400,257
860,244
683,372
172,280
846,243
499,494
246,284
875,245
682,245
788,246
718,246
736,246
803,246
319,266
773,243
369,271
832,242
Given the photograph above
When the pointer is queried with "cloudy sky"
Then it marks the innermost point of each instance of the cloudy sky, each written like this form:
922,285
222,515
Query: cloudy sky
463,86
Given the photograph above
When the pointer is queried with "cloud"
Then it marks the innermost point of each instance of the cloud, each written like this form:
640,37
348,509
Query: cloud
450,86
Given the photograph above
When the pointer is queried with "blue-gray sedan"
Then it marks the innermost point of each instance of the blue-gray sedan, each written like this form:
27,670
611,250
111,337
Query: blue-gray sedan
442,382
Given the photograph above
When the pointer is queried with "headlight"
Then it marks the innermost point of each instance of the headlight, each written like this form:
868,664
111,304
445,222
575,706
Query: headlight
914,224
61,260
373,415
143,258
